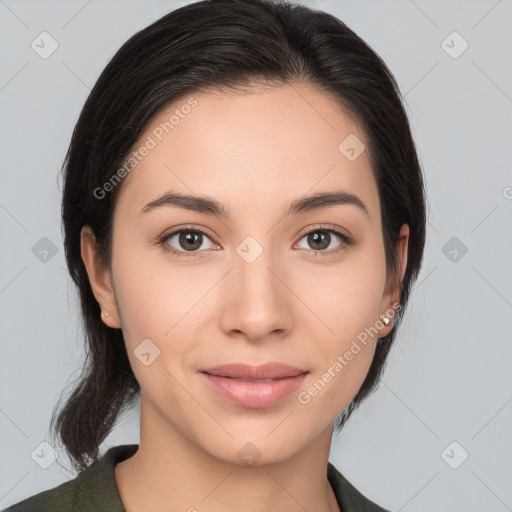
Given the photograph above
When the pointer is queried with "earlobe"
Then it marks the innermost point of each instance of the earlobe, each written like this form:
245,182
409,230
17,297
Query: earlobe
99,278
109,320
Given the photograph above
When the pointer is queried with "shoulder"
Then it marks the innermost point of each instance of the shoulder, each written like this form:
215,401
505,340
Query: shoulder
58,498
92,490
348,495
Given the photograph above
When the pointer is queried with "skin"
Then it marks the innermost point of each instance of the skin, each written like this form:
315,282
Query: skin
254,153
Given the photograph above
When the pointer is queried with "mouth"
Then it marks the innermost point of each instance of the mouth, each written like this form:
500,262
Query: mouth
254,386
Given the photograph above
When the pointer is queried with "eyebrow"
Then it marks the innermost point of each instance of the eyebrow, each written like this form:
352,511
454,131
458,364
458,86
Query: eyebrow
210,206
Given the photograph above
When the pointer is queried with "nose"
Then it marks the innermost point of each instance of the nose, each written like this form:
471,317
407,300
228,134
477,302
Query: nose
257,304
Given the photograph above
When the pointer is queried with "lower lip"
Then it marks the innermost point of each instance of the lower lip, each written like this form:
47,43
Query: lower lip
254,394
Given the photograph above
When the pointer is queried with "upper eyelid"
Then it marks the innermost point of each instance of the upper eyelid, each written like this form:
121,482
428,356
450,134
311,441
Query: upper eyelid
325,227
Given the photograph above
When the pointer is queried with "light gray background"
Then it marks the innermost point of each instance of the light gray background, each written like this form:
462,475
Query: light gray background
449,376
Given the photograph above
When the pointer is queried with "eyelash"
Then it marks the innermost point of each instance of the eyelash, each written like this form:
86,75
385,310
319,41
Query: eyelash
345,240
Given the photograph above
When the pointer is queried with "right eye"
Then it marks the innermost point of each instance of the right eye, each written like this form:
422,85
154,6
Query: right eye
183,241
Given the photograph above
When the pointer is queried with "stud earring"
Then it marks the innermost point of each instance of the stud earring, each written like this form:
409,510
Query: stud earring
106,314
386,320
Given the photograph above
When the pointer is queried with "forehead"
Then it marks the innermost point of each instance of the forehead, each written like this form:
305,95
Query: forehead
265,146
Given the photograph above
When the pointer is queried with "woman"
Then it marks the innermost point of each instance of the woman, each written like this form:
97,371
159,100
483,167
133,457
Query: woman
244,217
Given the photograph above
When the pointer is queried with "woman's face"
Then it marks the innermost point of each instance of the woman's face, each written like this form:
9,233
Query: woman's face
261,284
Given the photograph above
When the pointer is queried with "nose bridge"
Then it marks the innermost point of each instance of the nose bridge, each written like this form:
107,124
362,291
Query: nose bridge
252,272
258,304
255,277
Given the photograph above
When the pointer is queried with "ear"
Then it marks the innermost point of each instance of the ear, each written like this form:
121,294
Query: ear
391,295
99,278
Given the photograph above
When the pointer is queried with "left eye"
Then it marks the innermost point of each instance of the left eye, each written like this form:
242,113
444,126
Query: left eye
321,239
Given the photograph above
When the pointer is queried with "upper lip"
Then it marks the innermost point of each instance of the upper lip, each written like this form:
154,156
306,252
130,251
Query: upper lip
245,371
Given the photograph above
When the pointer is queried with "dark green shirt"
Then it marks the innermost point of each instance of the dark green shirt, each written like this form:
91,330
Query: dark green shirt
95,490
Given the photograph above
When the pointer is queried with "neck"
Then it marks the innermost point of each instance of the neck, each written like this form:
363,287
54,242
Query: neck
170,472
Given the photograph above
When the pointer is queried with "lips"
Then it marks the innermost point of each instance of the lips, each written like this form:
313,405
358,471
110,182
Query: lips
264,373
254,386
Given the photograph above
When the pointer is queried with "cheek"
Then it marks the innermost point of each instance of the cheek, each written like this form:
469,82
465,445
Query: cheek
156,304
346,297
153,292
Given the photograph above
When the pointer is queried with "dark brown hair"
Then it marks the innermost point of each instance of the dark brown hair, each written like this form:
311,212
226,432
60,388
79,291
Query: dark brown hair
221,45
